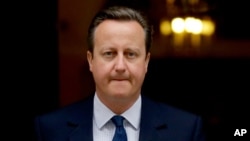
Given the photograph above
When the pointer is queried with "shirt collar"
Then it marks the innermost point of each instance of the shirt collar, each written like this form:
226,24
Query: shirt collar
103,114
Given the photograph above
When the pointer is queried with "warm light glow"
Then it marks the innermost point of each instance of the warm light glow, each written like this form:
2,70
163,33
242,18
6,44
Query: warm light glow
192,2
208,27
178,25
165,27
195,40
170,1
193,25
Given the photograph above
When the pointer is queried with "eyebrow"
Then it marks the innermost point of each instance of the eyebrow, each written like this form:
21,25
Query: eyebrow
134,49
126,49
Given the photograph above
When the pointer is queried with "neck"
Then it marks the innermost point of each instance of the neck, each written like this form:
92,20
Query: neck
118,105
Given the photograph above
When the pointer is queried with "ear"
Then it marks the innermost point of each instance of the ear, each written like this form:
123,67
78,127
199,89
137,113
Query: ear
147,61
90,58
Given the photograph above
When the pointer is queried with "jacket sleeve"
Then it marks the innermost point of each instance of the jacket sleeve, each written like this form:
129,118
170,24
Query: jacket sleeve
38,134
198,131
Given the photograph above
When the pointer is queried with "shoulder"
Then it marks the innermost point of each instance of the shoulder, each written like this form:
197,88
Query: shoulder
169,112
72,110
177,121
59,123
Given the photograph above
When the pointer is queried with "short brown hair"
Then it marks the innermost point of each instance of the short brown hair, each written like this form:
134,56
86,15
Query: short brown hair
120,13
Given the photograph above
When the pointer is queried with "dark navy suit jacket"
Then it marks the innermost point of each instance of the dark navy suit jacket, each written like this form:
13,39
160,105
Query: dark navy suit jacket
159,122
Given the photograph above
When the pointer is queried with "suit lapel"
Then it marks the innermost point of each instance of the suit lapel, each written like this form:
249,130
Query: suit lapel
82,133
82,123
150,126
151,122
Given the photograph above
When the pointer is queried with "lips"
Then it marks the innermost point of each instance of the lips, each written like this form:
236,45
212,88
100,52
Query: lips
120,79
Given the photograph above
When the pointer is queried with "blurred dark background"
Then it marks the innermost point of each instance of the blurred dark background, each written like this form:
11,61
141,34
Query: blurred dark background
50,68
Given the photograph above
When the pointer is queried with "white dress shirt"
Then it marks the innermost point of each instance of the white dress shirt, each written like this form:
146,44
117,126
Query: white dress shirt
103,127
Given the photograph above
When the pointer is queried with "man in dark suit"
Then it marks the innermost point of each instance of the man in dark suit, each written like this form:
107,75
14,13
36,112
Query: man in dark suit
118,56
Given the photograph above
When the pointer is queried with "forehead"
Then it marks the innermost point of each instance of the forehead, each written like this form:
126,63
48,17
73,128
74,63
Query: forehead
119,34
119,25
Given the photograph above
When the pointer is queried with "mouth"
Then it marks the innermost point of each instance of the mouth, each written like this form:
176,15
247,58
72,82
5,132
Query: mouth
119,79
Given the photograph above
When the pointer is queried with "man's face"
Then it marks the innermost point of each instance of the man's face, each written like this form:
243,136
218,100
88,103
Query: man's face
119,61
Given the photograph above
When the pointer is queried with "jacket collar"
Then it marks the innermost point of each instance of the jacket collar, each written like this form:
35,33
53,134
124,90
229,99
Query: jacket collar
151,121
149,126
81,122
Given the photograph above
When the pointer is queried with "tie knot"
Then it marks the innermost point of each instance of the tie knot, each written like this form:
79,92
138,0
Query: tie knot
118,120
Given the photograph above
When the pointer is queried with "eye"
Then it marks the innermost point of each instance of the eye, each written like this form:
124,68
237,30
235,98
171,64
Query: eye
109,54
131,54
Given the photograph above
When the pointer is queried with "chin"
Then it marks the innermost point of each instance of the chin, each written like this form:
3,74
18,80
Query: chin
120,94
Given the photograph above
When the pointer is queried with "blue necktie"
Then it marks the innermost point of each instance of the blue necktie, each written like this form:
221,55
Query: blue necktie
120,133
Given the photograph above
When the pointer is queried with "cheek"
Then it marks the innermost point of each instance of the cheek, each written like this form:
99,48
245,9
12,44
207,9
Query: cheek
100,71
138,71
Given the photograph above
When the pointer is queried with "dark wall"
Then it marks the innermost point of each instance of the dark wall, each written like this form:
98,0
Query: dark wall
32,60
231,17
216,89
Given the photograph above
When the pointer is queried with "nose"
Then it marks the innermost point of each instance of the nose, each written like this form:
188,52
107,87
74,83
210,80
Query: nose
120,64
